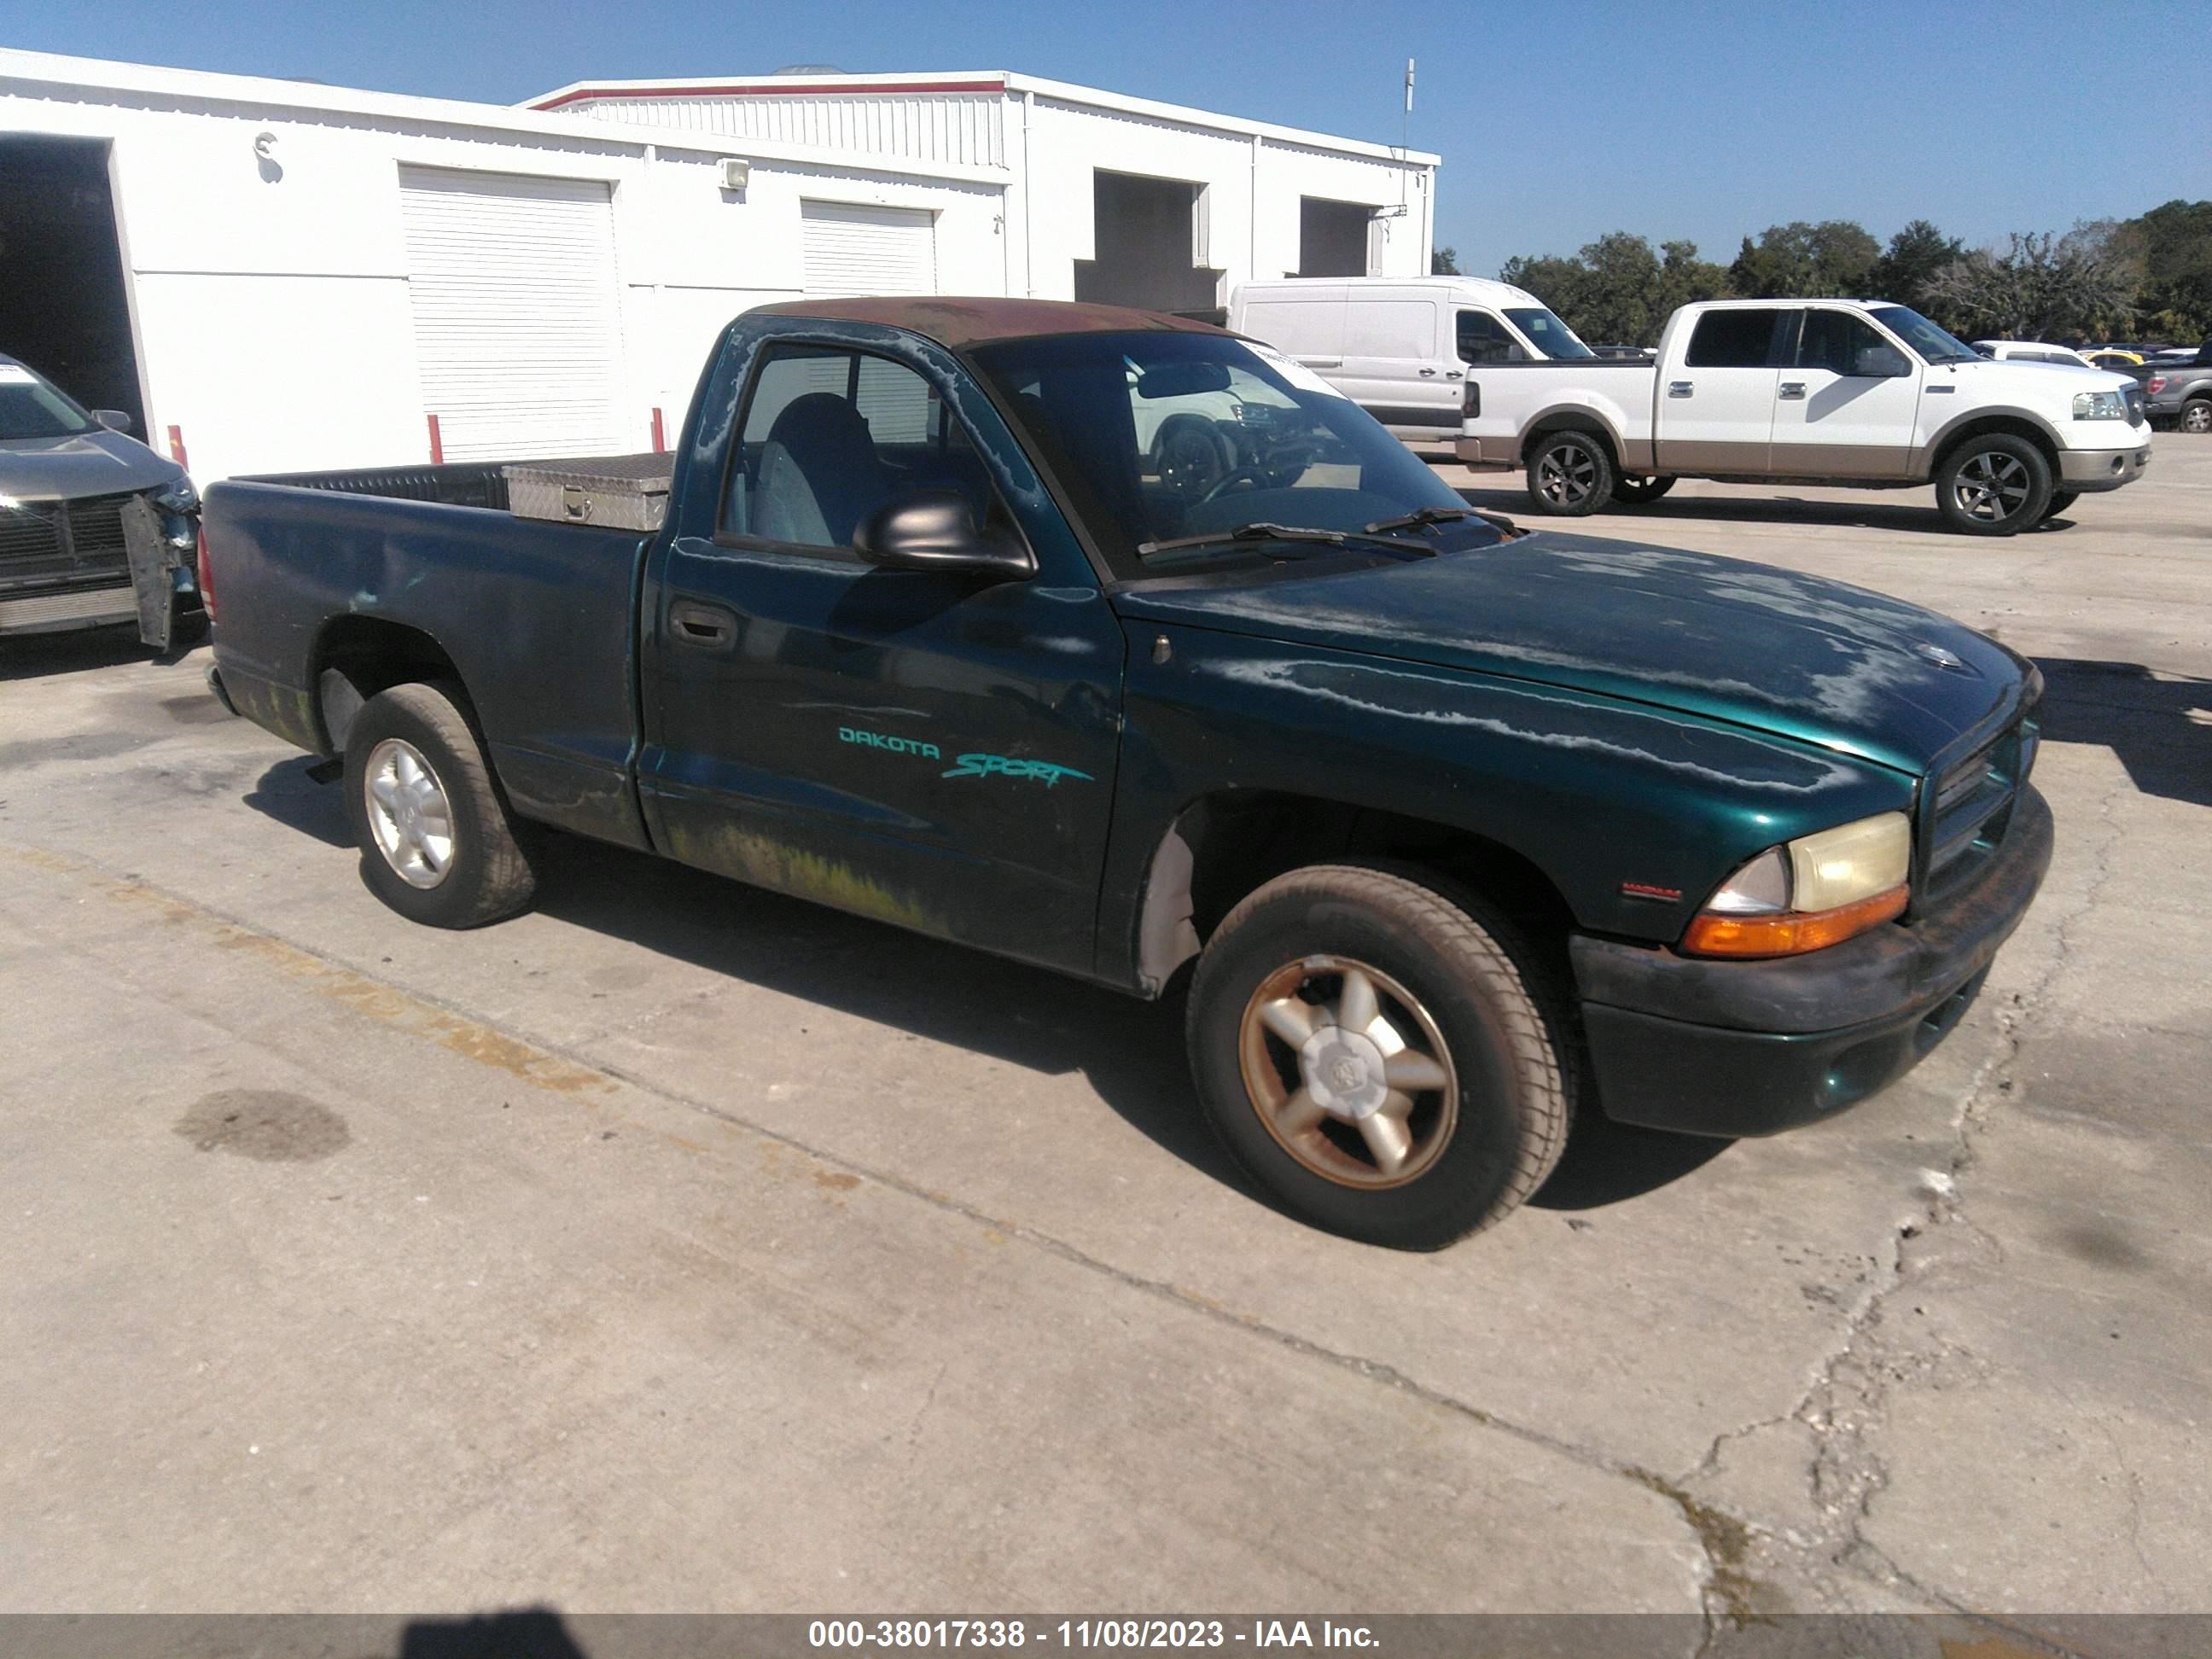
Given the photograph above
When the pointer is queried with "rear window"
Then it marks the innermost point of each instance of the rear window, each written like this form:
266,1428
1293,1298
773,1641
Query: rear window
1732,339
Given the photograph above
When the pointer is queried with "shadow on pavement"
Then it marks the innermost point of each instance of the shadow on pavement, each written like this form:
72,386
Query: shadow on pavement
1881,509
26,656
1131,1052
526,1633
2159,726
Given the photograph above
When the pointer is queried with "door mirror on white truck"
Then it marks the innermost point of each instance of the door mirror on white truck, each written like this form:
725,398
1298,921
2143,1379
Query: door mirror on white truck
1879,362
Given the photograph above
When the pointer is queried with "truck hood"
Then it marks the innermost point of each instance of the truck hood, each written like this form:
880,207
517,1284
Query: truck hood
1816,660
99,463
1989,380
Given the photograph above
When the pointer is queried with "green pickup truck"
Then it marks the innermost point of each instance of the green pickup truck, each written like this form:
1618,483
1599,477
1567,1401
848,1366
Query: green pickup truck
1466,829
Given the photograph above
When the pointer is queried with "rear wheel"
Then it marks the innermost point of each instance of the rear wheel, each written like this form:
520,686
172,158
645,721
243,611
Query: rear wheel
1385,1060
1569,474
1996,485
1634,492
436,843
2196,415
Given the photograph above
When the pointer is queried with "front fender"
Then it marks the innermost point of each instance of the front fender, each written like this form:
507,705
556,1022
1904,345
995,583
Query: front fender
1633,812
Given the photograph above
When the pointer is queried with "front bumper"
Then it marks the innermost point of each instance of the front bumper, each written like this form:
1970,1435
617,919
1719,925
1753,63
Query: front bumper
2085,469
1713,1048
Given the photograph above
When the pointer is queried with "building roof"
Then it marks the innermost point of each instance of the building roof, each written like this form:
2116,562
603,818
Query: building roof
41,73
956,322
1003,83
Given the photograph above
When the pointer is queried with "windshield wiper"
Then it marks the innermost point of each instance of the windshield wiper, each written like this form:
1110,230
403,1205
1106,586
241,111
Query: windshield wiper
1421,516
1288,533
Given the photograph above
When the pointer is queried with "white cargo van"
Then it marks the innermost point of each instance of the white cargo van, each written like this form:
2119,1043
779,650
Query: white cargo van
1400,348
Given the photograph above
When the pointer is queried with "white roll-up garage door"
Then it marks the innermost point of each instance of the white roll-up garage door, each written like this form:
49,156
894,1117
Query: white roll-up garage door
853,248
518,313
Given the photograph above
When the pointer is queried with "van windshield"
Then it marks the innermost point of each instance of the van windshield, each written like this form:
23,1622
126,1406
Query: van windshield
1157,437
1547,333
31,408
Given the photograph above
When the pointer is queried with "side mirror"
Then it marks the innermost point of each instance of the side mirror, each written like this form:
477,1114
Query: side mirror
1879,363
113,419
935,530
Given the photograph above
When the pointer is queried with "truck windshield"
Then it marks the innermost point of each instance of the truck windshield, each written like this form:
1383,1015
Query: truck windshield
1160,437
1935,344
30,408
1547,333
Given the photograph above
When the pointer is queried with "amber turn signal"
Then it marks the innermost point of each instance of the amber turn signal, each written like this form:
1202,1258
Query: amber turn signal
1792,933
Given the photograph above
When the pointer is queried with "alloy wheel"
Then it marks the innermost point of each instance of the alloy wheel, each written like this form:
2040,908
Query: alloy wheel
409,815
1348,1071
2198,418
1566,476
1992,486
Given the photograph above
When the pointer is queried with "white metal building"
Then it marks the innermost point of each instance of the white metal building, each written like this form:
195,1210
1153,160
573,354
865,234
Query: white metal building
277,275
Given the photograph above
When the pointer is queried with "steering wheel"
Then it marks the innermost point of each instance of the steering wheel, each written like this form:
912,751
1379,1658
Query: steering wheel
1251,472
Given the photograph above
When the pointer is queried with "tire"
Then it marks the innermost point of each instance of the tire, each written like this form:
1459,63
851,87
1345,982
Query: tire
1635,492
476,871
1996,485
1569,474
2196,415
1477,1127
2061,501
1190,457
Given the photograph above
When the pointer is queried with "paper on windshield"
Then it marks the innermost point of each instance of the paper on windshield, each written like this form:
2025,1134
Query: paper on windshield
1296,373
16,375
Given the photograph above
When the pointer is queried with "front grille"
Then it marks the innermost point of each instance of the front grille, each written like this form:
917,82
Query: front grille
1968,807
57,543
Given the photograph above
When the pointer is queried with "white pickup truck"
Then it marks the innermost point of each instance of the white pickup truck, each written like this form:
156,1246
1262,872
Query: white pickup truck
1820,392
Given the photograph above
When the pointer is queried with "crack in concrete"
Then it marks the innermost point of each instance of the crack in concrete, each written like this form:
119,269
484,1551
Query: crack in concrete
1848,1397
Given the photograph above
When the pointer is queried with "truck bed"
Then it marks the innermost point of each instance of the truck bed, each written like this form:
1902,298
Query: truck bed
535,619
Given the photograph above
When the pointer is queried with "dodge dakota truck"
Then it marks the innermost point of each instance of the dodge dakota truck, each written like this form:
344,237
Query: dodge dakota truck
1465,829
1820,391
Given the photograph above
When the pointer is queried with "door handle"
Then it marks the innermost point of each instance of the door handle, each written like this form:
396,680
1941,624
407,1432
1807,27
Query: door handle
1322,362
1428,374
706,626
1454,375
1793,388
1679,388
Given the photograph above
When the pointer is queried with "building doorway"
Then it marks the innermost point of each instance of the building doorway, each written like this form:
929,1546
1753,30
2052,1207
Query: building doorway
64,307
1144,232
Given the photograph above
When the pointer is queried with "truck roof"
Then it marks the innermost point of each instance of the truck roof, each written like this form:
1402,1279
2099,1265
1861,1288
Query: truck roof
955,322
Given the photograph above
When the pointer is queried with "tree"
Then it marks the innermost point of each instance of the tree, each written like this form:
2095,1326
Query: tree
1800,260
1915,254
1445,262
1617,288
2042,286
2175,243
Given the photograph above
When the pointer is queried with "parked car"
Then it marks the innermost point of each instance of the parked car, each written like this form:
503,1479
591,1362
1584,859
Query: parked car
2031,351
1400,349
2181,393
95,528
1643,353
1466,829
2113,357
1834,391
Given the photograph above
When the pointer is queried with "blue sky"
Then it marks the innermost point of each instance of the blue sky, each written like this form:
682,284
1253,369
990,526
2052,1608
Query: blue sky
1556,123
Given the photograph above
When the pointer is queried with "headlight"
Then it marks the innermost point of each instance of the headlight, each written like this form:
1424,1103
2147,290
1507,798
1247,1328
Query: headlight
177,495
2101,406
1807,894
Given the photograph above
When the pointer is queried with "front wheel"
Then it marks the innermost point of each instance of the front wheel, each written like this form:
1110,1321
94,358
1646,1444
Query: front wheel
1996,485
1570,474
2196,415
1386,1062
436,841
1635,492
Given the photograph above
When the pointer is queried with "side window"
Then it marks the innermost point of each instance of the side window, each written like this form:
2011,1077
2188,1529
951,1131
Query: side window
1833,339
1483,339
1732,339
831,436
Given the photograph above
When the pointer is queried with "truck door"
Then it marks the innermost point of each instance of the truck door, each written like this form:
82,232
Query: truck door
1716,405
1847,400
934,750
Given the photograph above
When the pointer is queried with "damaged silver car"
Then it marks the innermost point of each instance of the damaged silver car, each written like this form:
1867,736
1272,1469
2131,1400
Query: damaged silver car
95,528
